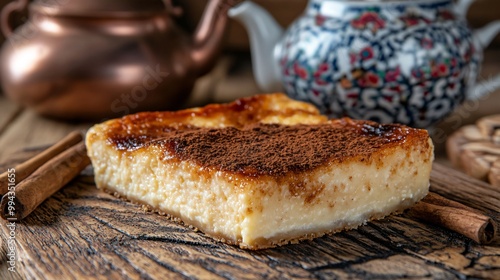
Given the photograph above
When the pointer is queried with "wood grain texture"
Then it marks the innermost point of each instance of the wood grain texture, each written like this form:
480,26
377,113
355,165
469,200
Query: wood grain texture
82,232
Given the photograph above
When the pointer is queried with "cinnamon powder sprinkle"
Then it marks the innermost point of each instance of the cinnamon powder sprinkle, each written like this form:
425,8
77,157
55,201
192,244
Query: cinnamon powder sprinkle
268,149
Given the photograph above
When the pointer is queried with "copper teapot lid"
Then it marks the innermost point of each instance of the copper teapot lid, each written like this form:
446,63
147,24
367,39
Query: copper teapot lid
100,7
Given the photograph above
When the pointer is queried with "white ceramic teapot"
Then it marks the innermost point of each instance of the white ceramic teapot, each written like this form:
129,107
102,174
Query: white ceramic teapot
410,62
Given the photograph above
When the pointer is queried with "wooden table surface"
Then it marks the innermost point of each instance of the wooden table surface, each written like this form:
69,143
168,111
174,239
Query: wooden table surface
21,128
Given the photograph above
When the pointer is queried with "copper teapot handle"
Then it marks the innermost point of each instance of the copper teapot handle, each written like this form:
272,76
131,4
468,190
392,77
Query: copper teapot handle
16,6
174,11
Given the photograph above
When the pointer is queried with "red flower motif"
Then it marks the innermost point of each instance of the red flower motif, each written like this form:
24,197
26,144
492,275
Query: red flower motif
352,58
372,79
321,82
393,75
358,24
412,20
300,71
369,80
397,89
368,18
453,62
446,15
427,43
352,95
372,17
320,20
323,67
366,53
362,83
440,70
283,61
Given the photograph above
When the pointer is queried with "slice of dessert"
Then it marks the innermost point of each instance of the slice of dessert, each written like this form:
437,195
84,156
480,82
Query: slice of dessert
262,171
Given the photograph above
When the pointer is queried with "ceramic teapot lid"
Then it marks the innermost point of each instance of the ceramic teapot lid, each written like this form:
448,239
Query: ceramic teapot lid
98,7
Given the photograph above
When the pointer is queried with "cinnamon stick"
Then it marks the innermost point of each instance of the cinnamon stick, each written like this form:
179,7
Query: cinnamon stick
455,216
44,182
24,169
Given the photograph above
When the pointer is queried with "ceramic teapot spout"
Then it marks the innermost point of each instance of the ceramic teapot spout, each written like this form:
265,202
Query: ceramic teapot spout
482,38
486,34
208,36
264,33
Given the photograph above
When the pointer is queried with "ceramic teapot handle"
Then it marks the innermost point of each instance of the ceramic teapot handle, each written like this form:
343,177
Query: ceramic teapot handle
16,6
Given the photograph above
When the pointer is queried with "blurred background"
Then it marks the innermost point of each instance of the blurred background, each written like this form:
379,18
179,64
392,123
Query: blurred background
22,129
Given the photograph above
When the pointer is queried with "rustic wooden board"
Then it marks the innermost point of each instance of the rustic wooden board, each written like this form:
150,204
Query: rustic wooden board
8,112
82,232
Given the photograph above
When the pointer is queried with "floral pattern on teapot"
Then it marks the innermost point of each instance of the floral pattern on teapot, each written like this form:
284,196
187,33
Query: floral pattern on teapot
407,62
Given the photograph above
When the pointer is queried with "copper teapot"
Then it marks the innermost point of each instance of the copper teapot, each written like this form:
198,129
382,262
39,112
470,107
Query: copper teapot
93,59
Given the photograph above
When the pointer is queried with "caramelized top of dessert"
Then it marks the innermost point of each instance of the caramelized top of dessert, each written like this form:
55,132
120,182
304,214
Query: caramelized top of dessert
266,149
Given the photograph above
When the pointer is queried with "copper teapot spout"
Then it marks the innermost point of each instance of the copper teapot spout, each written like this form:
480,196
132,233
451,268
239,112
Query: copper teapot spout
209,34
